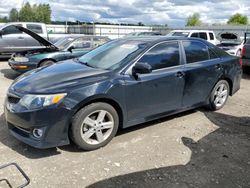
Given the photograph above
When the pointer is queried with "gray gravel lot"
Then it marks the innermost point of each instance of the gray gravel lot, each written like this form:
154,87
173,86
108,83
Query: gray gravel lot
197,148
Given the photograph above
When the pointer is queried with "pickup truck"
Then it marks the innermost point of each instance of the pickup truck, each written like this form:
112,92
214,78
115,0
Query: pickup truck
245,53
203,34
13,40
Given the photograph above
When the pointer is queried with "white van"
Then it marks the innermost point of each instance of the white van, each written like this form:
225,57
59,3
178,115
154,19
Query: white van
204,34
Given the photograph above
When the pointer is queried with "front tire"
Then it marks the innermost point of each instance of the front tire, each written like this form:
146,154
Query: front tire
46,63
219,95
94,126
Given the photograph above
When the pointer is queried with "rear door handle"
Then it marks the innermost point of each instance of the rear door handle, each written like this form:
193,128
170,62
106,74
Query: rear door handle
180,74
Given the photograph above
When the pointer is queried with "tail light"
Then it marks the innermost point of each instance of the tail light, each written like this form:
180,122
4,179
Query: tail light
243,51
240,61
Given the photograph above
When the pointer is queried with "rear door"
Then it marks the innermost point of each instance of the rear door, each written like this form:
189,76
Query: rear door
202,71
160,91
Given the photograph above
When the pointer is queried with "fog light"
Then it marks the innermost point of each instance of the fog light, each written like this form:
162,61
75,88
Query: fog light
37,133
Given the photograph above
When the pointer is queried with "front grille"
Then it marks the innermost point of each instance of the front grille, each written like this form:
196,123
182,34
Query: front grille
13,100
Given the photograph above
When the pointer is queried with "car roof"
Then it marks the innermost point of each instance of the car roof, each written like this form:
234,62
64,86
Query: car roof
157,39
191,31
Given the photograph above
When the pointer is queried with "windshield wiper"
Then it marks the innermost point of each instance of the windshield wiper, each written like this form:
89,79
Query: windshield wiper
86,63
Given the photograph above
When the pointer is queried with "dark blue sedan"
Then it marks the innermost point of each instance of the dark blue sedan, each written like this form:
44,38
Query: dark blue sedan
120,84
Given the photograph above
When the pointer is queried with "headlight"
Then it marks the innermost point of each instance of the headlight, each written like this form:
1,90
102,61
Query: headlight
21,59
39,101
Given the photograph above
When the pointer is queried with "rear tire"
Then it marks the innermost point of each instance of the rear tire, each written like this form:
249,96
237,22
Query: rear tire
94,126
219,95
46,63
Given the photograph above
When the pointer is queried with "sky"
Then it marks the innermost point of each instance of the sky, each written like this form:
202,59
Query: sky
171,12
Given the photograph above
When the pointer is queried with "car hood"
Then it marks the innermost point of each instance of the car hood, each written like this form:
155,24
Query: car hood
56,78
37,37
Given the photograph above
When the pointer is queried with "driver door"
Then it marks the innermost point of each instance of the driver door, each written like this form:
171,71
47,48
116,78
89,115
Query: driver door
12,39
156,93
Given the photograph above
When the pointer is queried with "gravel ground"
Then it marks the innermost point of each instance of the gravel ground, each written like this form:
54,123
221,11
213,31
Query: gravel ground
197,148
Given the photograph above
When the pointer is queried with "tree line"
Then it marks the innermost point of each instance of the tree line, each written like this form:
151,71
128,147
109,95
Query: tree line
42,13
29,13
236,19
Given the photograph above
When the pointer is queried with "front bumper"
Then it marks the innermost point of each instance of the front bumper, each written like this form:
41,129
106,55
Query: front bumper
54,122
20,66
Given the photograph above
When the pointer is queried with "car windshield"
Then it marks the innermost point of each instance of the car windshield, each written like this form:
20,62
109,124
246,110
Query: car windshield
113,55
180,34
64,42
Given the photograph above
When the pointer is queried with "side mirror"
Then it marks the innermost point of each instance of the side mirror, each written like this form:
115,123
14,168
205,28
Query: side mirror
71,48
141,68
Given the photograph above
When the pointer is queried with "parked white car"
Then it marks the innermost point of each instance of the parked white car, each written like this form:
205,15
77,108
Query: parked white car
231,43
204,34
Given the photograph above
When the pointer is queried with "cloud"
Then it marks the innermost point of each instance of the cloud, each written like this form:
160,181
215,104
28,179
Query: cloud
171,12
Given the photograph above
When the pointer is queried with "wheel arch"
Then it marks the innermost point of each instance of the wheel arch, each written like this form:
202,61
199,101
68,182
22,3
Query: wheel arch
46,59
103,99
230,83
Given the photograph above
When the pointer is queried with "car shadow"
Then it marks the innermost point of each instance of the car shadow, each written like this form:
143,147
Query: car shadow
73,148
220,159
34,153
10,74
21,148
246,76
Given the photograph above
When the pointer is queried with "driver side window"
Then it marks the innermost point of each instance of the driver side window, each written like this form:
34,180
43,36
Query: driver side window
11,30
163,55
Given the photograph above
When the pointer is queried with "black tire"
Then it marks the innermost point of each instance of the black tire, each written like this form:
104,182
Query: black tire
212,105
46,63
76,128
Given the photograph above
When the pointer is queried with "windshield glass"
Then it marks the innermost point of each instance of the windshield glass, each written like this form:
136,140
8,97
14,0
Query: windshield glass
64,42
113,54
180,34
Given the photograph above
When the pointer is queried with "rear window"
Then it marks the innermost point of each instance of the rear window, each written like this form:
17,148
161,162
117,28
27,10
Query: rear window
35,28
211,35
195,51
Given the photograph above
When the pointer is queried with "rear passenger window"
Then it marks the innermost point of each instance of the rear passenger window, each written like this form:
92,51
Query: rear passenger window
203,35
35,28
211,36
195,51
162,56
212,54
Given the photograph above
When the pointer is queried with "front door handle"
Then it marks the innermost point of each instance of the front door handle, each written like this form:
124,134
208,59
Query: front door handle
180,74
20,38
218,66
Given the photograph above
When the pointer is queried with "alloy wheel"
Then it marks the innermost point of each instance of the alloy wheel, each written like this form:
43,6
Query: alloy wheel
220,95
97,127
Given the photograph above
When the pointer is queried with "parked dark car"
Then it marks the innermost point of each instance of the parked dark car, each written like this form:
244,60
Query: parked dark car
117,85
245,53
66,48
